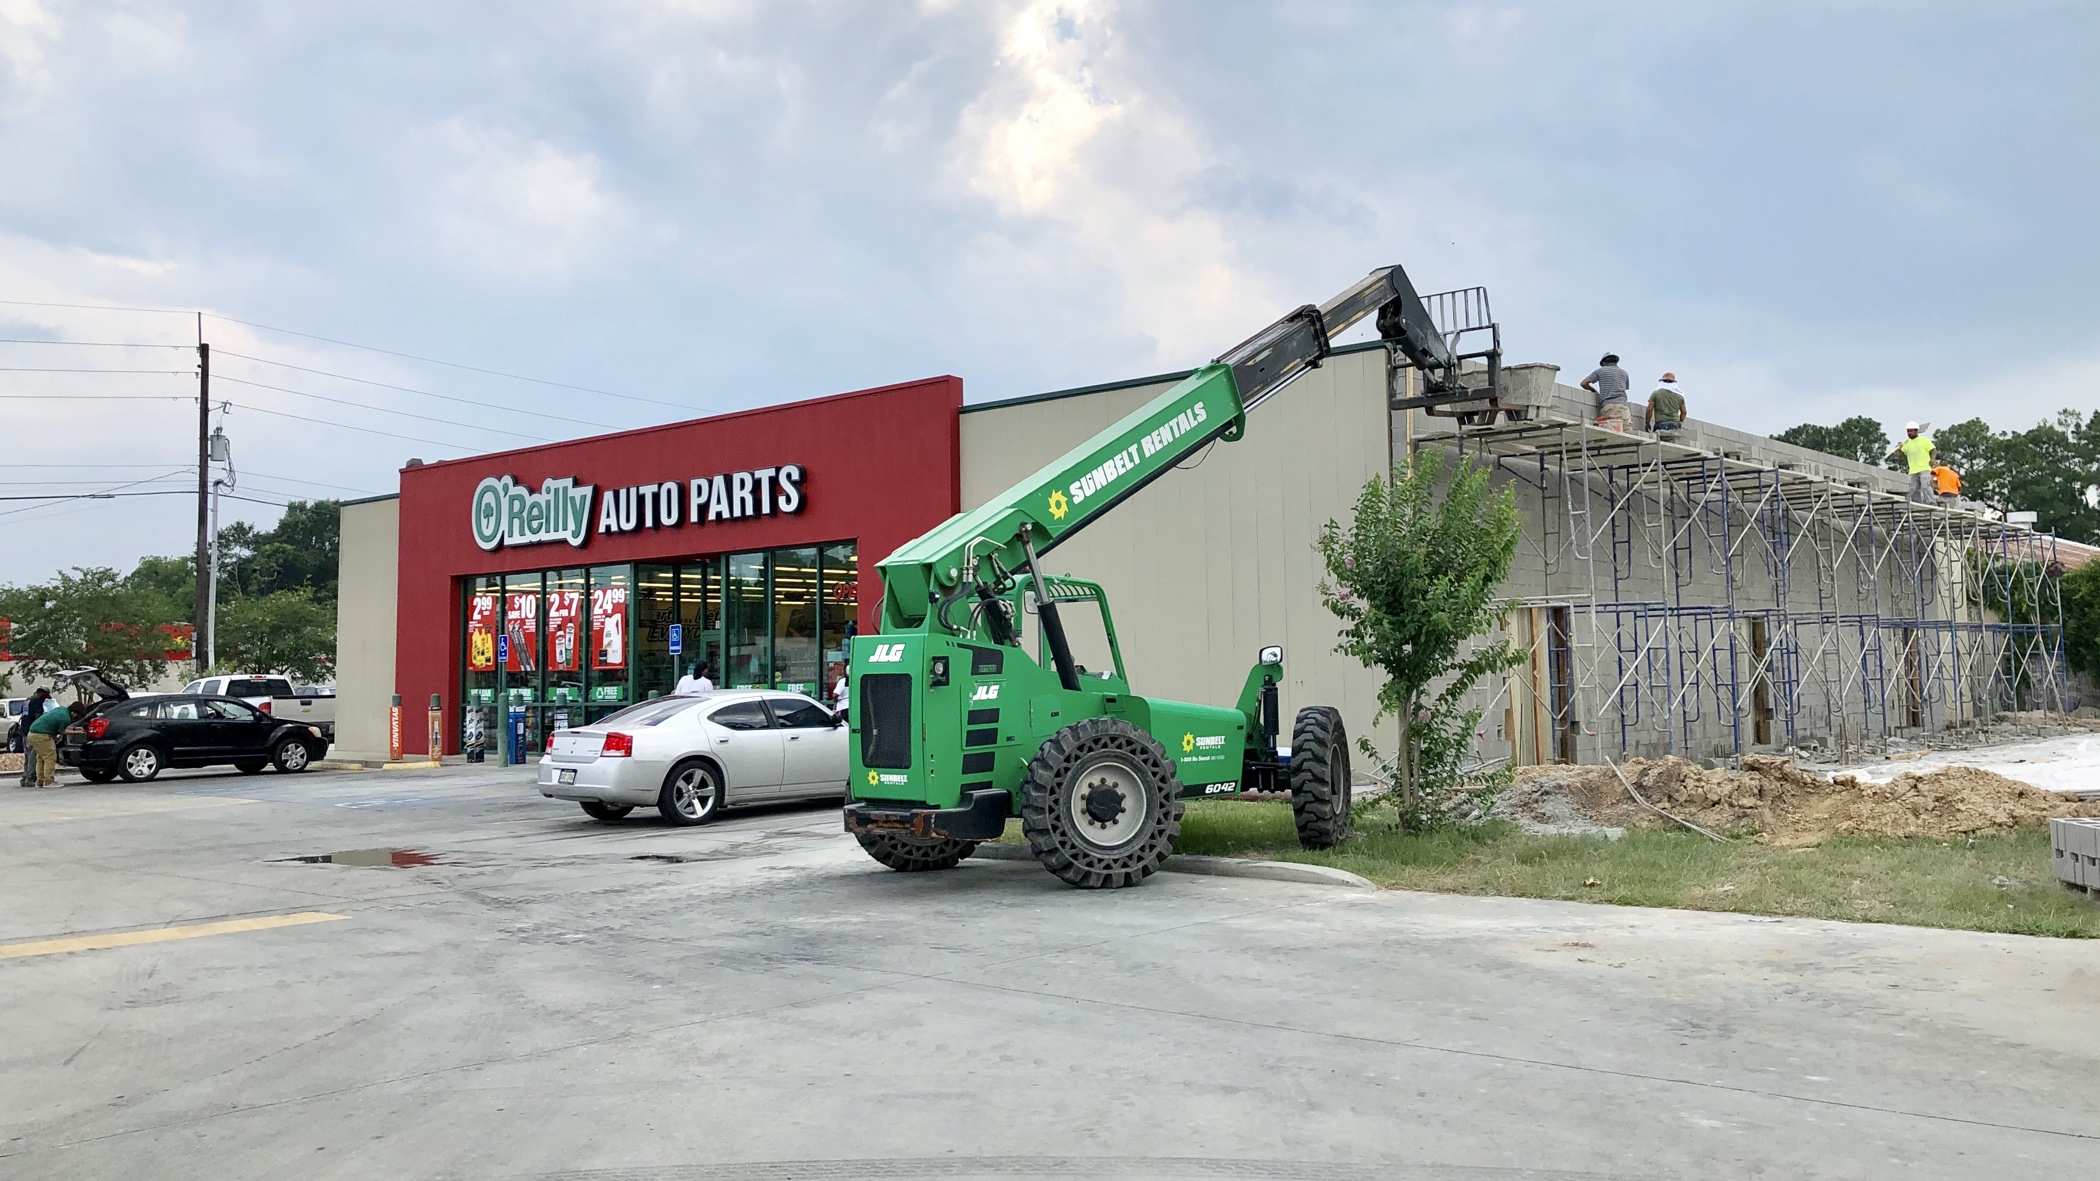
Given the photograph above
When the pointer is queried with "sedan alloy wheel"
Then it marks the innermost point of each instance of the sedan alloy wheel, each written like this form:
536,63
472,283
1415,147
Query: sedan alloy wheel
691,794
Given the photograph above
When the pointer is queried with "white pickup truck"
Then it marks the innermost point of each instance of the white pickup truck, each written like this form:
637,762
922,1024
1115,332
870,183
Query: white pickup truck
276,696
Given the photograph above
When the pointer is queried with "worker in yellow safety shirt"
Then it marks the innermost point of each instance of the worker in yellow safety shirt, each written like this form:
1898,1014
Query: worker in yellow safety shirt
1916,450
1947,482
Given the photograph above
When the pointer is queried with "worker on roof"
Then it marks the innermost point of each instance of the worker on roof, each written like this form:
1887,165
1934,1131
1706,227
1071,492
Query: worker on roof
1610,383
1916,450
1947,482
1666,407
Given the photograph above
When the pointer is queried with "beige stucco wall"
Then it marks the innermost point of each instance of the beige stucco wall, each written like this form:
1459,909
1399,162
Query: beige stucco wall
1215,560
364,627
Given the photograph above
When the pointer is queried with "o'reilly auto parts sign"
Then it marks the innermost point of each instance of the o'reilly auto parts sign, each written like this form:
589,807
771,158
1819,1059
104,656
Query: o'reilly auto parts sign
508,513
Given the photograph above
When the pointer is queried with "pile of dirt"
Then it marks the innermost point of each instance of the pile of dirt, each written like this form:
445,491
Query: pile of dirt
1781,803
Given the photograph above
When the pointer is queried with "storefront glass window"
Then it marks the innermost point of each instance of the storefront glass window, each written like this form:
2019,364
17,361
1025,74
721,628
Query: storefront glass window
747,655
655,610
570,646
484,619
841,605
795,619
564,642
606,682
700,612
519,642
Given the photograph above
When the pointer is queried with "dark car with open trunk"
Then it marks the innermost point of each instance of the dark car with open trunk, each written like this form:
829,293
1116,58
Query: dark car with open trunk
136,738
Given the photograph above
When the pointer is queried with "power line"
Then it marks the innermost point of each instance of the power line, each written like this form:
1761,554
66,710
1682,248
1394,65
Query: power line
452,364
27,369
349,344
406,390
57,483
96,307
346,426
94,344
97,397
94,495
314,483
379,409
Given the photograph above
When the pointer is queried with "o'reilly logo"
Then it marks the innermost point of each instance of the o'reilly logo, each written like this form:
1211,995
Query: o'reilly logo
508,513
887,654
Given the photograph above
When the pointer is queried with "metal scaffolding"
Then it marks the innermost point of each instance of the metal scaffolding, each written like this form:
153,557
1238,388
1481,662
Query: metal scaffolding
1705,603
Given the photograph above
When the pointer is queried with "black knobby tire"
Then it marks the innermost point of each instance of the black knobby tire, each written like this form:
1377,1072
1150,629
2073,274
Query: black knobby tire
606,812
915,854
691,794
97,774
1076,809
1321,797
251,767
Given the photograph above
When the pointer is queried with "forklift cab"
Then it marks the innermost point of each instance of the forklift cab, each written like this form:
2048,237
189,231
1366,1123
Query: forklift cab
1089,628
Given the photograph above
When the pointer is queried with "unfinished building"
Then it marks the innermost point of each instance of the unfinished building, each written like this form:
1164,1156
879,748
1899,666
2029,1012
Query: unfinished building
1723,592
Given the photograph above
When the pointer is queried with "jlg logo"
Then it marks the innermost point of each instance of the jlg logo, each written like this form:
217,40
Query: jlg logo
986,693
887,654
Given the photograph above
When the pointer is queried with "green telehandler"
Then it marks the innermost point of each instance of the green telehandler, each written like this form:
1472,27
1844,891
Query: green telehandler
961,719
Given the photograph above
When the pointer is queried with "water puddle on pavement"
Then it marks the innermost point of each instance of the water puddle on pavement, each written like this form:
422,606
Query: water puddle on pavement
381,858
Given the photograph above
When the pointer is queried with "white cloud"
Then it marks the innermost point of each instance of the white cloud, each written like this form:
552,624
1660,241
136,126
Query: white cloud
1067,138
513,205
25,28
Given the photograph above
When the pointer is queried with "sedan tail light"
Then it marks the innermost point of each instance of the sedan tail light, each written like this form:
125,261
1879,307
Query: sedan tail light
617,746
550,741
95,727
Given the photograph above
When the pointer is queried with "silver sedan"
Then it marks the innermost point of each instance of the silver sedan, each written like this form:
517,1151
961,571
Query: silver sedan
690,756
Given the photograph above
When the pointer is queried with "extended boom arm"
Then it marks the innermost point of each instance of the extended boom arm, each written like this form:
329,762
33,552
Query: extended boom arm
978,553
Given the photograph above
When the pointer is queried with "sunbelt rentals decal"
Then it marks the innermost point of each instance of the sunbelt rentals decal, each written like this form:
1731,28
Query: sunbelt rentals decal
1112,470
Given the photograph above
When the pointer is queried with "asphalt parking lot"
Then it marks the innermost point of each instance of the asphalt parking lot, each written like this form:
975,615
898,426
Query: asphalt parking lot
555,998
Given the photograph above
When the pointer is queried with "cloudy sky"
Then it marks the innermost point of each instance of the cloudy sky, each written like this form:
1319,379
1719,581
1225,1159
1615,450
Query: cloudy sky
1807,210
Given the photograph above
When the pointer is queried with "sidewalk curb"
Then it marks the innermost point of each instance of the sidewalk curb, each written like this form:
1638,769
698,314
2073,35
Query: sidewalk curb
1220,867
419,765
336,765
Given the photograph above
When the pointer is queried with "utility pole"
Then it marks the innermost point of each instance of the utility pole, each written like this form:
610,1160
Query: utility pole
200,633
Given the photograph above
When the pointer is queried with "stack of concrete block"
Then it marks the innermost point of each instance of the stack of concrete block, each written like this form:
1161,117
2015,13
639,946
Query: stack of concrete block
2075,848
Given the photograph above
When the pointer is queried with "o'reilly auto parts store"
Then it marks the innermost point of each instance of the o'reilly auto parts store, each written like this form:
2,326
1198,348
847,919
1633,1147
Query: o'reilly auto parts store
556,584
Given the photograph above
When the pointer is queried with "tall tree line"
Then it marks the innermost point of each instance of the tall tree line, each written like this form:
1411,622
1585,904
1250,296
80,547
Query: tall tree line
277,597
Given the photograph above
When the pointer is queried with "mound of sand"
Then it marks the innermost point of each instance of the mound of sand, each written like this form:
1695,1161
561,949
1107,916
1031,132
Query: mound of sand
1781,803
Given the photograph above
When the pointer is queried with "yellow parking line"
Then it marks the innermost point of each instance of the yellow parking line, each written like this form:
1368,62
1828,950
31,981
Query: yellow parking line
10,951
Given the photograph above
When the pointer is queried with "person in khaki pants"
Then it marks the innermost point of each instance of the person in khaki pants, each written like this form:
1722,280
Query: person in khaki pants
43,740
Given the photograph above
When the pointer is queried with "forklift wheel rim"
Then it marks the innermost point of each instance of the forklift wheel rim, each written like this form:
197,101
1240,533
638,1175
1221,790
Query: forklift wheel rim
1111,770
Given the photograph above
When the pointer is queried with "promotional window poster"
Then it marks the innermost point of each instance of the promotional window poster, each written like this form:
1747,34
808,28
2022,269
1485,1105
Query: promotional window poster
609,627
564,619
481,633
521,621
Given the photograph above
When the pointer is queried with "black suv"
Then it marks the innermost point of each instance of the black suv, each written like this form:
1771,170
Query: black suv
135,739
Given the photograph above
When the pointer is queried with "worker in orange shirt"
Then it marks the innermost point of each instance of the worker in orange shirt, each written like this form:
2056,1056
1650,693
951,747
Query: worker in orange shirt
1947,483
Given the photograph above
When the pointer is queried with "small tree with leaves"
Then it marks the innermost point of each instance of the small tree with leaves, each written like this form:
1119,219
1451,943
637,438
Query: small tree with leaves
1413,580
89,618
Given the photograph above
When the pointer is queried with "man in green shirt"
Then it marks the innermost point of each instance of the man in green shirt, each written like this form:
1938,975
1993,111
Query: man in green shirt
1666,408
1916,450
43,739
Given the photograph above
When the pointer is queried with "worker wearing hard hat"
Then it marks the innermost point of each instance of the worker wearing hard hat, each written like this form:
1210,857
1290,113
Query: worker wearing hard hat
1916,450
1666,407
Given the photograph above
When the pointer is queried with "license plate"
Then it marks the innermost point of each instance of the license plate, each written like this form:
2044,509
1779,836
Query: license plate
565,778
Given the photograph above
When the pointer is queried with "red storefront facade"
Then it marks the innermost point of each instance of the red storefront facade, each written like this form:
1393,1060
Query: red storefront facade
570,579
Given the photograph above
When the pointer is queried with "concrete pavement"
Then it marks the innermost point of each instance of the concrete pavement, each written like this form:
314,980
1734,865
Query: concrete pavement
563,999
